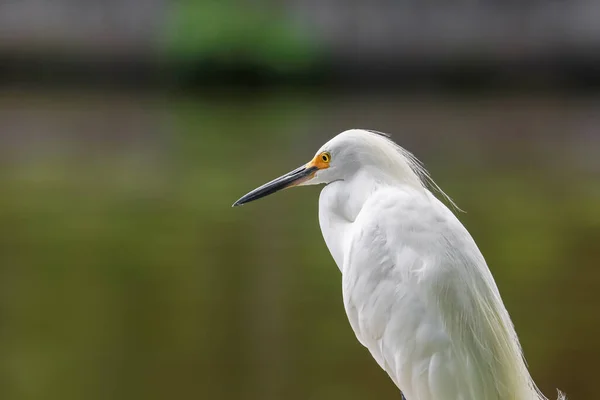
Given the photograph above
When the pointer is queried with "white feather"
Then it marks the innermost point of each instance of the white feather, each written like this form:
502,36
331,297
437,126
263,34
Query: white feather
417,290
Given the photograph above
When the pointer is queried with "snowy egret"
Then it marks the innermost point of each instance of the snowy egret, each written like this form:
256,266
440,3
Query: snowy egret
416,288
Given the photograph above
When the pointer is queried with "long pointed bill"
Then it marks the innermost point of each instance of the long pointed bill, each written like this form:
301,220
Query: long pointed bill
290,179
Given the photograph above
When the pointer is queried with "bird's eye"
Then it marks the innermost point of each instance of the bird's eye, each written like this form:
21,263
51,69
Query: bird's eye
326,157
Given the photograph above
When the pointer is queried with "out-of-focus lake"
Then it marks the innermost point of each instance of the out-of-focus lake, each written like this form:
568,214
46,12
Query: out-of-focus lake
126,274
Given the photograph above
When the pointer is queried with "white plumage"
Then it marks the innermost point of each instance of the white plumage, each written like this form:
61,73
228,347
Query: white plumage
416,289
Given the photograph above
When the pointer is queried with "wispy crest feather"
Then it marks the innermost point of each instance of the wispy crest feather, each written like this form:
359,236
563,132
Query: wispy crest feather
418,168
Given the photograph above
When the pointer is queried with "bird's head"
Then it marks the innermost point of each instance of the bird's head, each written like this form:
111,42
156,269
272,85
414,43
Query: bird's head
340,159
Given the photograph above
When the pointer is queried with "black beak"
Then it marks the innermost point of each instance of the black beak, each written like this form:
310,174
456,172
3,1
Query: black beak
290,179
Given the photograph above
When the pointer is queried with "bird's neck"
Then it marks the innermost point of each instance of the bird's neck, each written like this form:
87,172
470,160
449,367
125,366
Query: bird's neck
339,205
346,198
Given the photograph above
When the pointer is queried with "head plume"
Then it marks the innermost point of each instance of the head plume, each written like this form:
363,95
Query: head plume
400,160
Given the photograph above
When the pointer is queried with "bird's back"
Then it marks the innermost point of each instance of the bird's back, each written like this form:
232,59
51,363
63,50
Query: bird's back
420,297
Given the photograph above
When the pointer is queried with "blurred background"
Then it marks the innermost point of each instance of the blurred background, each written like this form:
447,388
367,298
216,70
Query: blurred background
128,128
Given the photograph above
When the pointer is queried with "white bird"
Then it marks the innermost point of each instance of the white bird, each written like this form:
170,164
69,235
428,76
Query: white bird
416,288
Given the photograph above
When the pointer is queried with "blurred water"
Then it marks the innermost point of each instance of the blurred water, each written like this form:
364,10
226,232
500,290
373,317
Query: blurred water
125,273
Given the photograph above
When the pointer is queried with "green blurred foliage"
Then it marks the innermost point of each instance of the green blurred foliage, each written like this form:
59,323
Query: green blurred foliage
231,33
126,274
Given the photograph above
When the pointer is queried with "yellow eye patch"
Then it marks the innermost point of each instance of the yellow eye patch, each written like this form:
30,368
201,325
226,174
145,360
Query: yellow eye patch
321,161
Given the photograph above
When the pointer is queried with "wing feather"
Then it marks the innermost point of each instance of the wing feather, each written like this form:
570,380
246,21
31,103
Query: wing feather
419,296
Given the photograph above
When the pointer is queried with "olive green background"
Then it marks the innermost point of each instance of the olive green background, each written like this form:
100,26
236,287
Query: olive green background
126,274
